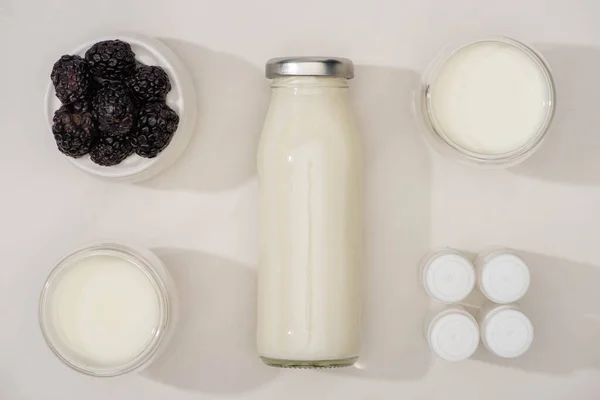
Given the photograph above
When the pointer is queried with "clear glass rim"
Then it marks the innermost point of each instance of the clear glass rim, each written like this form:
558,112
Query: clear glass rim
147,267
512,156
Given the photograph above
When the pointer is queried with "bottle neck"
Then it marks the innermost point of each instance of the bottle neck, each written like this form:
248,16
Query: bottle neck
308,82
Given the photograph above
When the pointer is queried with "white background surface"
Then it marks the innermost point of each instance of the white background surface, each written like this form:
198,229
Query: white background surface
201,216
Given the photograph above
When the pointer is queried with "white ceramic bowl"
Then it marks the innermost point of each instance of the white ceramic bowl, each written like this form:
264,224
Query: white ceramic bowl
181,98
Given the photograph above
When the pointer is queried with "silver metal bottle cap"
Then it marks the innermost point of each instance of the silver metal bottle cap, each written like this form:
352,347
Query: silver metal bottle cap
309,66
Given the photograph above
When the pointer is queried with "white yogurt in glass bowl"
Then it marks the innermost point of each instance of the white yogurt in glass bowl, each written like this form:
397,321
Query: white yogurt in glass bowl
181,98
108,309
489,102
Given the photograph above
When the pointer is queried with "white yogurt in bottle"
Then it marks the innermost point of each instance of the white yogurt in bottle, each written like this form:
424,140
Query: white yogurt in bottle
310,174
104,310
491,101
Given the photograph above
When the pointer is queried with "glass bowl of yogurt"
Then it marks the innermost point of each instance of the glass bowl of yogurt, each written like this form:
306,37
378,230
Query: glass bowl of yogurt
489,102
107,309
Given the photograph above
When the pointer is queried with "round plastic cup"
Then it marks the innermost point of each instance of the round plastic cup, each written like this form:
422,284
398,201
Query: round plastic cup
160,280
453,334
505,330
442,143
447,275
503,276
181,98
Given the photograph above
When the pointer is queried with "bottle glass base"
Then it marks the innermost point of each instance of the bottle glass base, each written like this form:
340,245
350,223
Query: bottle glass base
309,364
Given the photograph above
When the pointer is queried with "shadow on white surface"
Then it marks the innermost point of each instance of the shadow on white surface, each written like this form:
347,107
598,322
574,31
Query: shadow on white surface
397,226
570,151
232,102
564,306
213,349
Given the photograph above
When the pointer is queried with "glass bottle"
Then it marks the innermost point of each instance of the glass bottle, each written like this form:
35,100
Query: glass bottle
310,178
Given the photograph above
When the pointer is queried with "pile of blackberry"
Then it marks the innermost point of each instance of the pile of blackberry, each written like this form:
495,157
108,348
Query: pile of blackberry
113,106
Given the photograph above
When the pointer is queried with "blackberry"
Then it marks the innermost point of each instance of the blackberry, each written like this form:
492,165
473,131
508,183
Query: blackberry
149,84
111,59
114,109
156,124
109,150
71,78
81,106
74,131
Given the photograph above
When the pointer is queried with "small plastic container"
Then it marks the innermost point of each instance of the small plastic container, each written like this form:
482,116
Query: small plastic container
452,334
181,98
108,309
505,330
502,276
475,95
447,275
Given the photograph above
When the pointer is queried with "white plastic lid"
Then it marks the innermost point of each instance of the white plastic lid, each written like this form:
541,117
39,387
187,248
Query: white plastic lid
507,333
503,277
453,335
448,276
